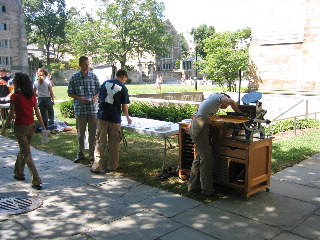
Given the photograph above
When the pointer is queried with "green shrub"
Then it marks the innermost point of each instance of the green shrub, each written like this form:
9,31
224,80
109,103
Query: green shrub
66,109
288,124
170,113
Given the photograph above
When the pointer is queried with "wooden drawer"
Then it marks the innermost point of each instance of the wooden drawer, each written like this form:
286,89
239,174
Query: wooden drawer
230,151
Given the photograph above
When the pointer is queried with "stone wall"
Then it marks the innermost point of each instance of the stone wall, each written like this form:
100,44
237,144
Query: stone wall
280,106
15,32
179,96
285,46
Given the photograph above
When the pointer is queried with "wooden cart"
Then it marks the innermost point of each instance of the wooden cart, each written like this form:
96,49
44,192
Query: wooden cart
238,164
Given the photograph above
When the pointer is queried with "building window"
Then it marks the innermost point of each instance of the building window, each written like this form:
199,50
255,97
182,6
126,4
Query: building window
4,43
3,27
166,66
3,9
4,61
186,65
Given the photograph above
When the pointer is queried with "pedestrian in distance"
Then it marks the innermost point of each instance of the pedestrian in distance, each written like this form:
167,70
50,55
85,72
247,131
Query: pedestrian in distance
158,83
113,98
43,89
23,105
84,87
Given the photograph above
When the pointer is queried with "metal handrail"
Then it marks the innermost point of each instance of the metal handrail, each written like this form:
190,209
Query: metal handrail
295,120
289,109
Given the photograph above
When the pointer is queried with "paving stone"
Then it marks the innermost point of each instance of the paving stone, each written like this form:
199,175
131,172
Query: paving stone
287,235
57,221
118,186
310,163
105,206
225,225
186,233
11,230
7,160
315,183
88,177
80,205
169,204
43,157
56,180
144,225
4,180
309,228
62,165
299,175
296,191
315,157
268,208
13,190
140,193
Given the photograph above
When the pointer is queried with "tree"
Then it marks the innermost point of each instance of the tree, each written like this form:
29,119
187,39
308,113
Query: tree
199,35
124,28
184,46
87,36
45,22
227,52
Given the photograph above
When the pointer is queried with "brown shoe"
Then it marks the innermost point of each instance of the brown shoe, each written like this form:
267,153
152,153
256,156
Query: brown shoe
19,178
98,172
77,160
37,187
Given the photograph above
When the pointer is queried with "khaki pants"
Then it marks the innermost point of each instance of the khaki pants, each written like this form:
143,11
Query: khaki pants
201,176
110,134
24,134
81,122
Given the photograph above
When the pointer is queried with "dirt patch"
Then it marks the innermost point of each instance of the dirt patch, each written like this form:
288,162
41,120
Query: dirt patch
292,133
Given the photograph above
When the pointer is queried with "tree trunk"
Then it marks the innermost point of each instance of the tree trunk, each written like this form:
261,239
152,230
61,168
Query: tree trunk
48,55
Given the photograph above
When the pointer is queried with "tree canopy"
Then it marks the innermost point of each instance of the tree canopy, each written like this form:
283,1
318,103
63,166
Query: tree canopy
227,53
45,22
199,35
122,29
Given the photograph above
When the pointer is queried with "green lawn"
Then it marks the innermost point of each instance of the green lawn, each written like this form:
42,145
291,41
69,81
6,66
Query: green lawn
60,92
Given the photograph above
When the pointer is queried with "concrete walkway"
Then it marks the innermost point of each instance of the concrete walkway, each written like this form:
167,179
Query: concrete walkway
80,205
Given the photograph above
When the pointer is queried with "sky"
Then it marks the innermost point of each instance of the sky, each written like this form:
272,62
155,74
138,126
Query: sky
224,15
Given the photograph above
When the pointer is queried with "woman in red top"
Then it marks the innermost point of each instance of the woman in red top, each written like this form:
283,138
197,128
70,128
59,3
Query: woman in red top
23,104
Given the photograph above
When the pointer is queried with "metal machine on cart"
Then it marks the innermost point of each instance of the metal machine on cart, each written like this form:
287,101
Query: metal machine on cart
252,116
241,149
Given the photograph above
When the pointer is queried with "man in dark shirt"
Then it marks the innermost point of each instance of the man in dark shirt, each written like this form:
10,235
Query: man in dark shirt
113,97
3,75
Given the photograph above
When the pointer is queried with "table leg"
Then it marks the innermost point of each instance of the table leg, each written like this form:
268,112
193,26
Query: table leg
166,139
164,153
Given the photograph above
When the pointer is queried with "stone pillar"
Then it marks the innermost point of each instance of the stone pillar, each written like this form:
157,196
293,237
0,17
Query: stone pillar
140,71
310,69
151,71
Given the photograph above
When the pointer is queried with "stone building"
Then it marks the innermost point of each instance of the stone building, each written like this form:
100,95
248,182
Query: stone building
149,65
13,41
285,46
168,62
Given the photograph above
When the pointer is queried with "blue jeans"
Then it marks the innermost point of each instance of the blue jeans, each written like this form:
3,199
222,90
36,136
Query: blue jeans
46,110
